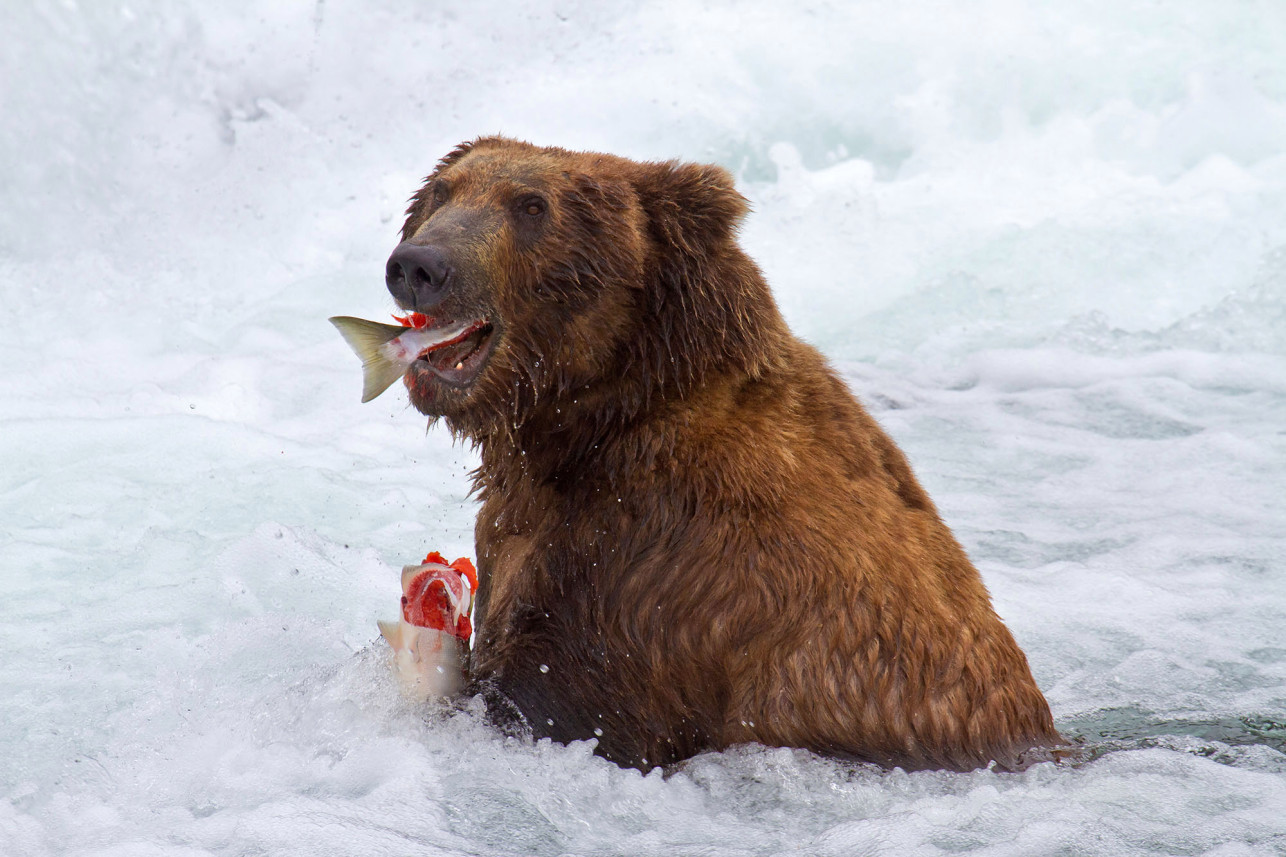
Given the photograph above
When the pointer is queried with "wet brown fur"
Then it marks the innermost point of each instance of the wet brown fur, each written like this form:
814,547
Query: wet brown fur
691,533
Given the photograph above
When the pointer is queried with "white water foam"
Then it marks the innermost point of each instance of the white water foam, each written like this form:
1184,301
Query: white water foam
1045,243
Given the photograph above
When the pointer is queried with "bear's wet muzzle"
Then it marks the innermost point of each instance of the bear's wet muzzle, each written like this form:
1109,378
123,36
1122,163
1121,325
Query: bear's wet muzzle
419,276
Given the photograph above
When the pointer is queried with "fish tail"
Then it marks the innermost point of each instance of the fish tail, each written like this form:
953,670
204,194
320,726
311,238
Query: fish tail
367,339
391,631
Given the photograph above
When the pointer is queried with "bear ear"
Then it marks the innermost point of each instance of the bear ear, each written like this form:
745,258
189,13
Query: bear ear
690,206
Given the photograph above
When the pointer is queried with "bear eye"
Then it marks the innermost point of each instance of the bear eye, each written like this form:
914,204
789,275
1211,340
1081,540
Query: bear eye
533,206
439,194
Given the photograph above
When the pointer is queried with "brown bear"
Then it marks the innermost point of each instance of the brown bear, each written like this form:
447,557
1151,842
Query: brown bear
691,535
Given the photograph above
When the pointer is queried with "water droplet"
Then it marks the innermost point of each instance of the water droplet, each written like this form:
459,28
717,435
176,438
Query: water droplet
598,730
544,668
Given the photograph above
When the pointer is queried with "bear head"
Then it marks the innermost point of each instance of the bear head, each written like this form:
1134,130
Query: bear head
592,286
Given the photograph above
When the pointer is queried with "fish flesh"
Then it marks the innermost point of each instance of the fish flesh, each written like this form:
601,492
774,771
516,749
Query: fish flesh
388,350
430,641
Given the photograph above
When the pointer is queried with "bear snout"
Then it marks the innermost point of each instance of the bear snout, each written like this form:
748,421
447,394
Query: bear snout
418,276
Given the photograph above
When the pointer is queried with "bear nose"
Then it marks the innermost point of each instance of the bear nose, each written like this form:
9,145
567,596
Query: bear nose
417,275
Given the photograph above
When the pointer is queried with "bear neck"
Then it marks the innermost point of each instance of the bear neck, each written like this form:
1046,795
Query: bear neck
720,330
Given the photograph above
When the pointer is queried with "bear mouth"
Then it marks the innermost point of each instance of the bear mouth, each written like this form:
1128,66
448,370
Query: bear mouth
458,361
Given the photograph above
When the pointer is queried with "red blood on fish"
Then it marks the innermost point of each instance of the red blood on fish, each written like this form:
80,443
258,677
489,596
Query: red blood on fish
413,319
428,601
461,565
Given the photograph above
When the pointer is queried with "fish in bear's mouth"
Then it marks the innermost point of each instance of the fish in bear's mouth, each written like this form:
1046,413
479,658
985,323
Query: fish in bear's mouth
458,360
420,348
